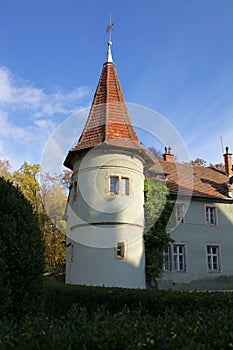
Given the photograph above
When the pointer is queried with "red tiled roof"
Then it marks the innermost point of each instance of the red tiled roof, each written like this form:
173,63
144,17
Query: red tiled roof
187,179
108,120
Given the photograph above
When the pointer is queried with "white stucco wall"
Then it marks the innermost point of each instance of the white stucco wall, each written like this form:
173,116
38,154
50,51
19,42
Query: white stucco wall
97,220
196,234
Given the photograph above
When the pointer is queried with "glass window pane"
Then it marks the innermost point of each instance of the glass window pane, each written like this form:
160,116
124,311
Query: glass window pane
124,185
114,184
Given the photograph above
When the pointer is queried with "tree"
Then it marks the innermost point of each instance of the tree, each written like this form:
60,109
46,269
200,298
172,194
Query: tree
218,166
27,179
198,162
153,153
5,169
66,179
156,238
54,201
22,250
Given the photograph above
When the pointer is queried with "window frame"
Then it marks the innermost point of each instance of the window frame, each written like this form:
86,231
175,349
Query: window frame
208,215
181,214
212,255
75,190
120,188
122,246
115,185
172,259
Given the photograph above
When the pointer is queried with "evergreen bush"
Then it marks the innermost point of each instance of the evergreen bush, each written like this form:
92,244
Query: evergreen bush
21,253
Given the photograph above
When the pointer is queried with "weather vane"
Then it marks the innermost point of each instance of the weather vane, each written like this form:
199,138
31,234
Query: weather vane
110,28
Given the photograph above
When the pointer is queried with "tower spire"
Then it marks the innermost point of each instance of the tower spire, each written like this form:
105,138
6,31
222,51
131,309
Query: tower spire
109,31
109,53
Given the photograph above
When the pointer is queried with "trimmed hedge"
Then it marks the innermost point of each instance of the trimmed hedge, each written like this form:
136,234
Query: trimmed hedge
124,330
60,298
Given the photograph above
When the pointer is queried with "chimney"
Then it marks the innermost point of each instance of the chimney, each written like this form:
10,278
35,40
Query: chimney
168,156
228,162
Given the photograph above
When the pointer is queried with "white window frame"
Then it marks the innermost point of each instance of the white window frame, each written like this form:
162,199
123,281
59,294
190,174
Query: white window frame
167,259
180,213
125,188
209,215
213,258
179,257
174,259
120,246
119,191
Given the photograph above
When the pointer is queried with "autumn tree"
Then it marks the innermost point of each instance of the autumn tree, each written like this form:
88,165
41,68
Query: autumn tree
27,179
48,199
54,203
154,153
198,162
5,169
218,166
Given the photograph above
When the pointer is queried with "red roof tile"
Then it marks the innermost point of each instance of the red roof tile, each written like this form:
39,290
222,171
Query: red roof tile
187,179
108,120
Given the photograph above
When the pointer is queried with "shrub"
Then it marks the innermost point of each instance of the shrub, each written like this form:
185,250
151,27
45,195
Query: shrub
60,298
21,254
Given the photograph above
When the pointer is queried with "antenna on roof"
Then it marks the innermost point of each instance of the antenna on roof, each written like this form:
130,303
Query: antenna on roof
110,28
221,141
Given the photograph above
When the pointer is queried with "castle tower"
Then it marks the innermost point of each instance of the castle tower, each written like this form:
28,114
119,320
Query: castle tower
105,216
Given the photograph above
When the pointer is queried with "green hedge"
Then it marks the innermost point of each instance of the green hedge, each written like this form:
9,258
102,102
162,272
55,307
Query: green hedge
60,298
127,329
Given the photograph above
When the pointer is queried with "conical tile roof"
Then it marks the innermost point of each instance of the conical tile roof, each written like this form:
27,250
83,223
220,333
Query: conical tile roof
108,121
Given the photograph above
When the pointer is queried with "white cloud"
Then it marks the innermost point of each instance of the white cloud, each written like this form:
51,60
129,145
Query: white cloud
28,116
17,94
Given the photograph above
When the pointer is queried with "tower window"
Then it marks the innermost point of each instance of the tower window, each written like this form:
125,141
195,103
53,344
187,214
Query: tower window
125,186
114,184
75,189
120,251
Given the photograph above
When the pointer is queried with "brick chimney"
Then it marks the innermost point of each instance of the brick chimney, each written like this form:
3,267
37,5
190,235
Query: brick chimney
228,162
168,156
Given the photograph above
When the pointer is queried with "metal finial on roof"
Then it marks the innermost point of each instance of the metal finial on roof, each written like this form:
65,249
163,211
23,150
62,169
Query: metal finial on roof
110,28
109,54
109,31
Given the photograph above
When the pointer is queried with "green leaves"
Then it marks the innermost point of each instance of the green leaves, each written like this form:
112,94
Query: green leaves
156,238
21,253
172,320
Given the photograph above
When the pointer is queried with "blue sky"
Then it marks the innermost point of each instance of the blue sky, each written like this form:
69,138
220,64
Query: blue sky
172,56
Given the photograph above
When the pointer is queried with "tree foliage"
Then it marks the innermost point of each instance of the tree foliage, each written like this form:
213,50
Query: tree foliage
198,162
22,251
47,195
154,153
5,169
157,214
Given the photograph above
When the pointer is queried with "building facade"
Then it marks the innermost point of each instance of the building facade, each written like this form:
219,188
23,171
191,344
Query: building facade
105,211
201,255
105,216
